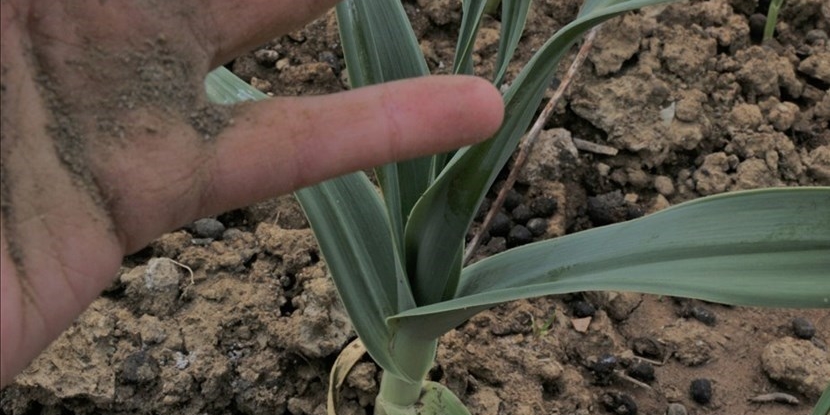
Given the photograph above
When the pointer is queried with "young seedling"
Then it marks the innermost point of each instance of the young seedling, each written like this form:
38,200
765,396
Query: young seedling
772,18
395,252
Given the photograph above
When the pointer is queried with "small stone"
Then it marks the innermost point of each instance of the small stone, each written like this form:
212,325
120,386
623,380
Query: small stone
745,117
816,66
543,207
512,199
139,367
607,208
701,314
537,226
783,116
664,185
208,228
283,64
521,214
676,409
519,235
266,57
604,367
647,347
496,245
331,59
701,391
816,37
619,403
757,22
581,324
642,371
803,328
262,85
500,225
582,309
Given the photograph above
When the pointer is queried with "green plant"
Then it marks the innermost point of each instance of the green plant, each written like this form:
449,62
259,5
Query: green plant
395,255
772,18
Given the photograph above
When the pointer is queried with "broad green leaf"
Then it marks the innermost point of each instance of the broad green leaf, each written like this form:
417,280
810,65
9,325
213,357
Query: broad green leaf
766,247
513,18
441,217
380,46
471,13
823,405
352,228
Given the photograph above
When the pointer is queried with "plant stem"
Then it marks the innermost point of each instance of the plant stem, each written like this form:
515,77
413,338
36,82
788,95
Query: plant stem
530,140
415,355
397,391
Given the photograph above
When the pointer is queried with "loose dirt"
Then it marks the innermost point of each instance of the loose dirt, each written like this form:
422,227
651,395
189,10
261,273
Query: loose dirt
247,322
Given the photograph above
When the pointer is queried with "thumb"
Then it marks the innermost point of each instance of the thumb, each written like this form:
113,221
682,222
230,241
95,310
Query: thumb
283,144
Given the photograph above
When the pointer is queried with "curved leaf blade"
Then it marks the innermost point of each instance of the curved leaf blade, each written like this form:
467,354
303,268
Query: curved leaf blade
380,46
766,247
441,217
471,14
352,228
513,18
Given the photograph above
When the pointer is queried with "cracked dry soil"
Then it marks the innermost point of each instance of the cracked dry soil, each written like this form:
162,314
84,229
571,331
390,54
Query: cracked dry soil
256,326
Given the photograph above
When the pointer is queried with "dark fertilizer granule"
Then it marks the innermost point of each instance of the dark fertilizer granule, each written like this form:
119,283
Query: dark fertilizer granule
701,391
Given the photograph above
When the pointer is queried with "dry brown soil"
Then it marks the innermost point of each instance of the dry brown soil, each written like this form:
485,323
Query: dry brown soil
694,104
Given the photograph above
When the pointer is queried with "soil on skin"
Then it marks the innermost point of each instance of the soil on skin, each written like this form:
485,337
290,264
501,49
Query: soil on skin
235,315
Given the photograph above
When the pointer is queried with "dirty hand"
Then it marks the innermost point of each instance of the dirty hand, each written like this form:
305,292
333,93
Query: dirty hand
108,141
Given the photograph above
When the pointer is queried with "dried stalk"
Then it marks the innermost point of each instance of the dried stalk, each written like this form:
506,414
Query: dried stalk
530,140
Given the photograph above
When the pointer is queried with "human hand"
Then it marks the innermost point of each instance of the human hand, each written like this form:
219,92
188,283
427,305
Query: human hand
108,140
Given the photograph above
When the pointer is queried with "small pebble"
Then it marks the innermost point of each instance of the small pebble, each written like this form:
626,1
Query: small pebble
519,235
512,199
676,409
803,328
500,226
582,309
757,23
607,208
619,403
496,245
537,226
543,206
521,214
604,367
703,315
701,391
266,57
331,59
647,347
208,228
139,367
816,36
642,371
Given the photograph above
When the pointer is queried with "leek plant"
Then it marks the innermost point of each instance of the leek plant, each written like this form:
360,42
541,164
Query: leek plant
394,251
